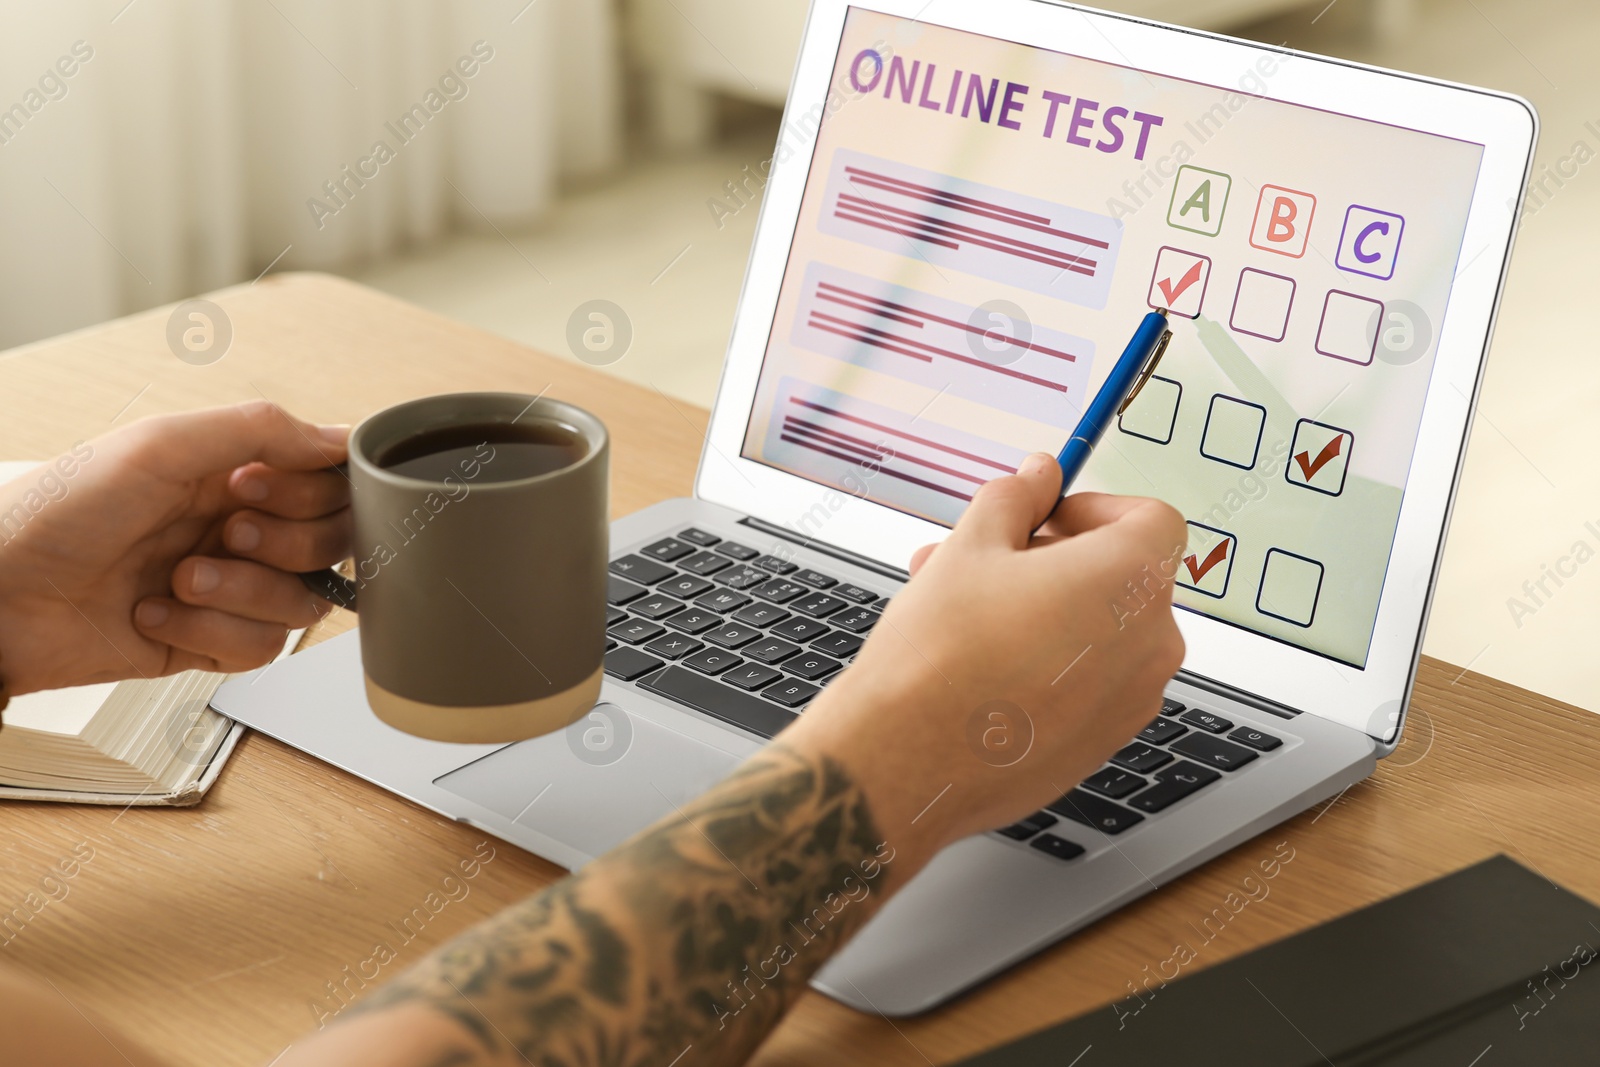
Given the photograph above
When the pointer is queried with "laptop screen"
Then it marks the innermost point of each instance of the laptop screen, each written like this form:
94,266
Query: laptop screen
985,223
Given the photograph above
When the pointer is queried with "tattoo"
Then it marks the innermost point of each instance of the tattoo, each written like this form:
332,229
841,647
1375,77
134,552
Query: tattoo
699,932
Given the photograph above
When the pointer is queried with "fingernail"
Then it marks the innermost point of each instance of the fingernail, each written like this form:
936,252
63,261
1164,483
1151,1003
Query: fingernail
1037,463
151,614
253,489
334,435
205,578
244,537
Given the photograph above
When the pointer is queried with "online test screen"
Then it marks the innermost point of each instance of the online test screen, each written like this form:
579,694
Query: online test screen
984,225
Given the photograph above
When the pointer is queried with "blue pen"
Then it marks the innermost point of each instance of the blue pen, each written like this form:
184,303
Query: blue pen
1134,367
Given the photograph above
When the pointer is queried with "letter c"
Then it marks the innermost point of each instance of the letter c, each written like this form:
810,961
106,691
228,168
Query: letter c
1361,239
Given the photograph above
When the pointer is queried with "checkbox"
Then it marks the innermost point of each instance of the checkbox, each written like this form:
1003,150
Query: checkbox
1349,327
1290,587
1233,431
1207,563
1262,303
1153,412
1319,457
1199,200
1179,282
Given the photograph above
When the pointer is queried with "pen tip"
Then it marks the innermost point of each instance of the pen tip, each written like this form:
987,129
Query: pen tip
1162,312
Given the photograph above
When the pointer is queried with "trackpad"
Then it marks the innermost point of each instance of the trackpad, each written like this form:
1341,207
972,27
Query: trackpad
594,784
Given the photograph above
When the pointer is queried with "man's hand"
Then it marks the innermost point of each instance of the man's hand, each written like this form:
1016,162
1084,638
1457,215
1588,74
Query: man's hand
1012,665
169,545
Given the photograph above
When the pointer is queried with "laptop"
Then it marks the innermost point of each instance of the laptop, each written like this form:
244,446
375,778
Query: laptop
969,208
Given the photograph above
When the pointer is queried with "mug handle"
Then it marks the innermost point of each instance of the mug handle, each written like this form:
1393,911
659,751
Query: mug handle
329,584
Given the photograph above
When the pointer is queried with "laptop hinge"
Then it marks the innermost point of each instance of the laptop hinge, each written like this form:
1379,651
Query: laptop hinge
828,550
1228,692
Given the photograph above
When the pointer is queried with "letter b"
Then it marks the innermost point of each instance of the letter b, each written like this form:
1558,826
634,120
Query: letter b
1283,221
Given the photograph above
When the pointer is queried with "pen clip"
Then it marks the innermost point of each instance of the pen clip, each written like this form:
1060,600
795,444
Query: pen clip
1149,369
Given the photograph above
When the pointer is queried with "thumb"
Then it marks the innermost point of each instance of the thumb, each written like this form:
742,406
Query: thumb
199,443
1007,510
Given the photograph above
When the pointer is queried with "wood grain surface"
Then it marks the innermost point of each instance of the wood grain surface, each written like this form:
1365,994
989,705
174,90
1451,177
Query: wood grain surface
217,934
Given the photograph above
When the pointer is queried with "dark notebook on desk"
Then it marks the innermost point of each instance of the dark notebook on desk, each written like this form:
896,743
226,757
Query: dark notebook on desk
1491,962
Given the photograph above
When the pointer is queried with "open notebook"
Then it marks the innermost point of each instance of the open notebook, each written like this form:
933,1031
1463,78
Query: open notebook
145,741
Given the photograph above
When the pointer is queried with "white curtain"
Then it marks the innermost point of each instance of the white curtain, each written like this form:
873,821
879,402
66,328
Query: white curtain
154,149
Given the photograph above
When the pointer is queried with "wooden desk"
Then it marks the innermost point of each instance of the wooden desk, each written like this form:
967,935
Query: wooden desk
213,933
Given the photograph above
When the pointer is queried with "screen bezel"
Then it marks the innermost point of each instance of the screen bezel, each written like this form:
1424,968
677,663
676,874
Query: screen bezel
1369,699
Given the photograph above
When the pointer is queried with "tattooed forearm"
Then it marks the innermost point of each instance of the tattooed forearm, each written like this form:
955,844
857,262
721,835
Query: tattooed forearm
697,933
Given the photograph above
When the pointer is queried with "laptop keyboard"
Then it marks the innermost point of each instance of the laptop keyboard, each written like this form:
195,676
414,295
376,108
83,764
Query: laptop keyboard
717,625
752,639
1182,752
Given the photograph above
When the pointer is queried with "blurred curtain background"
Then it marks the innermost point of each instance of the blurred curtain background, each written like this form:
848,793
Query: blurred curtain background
182,154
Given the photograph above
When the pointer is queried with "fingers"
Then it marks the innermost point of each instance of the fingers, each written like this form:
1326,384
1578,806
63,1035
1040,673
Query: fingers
229,642
200,443
290,494
289,544
247,590
1006,510
1082,512
920,557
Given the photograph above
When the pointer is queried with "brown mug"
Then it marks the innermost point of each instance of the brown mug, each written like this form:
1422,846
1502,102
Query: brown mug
480,569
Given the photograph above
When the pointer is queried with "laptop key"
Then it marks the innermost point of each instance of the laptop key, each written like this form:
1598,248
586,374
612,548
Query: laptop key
722,600
656,606
667,549
1161,731
1215,724
775,564
815,579
620,590
778,591
837,644
673,646
856,620
732,634
734,550
1255,739
1096,812
613,614
741,577
791,692
635,631
686,586
698,537
1173,784
798,629
1171,707
693,620
771,650
811,666
1141,758
1114,783
761,614
712,660
1059,847
1213,752
855,594
704,563
639,569
752,676
629,663
712,697
818,605
1021,831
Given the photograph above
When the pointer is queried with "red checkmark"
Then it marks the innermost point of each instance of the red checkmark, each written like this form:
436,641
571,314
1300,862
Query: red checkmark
1172,292
1330,451
1198,571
